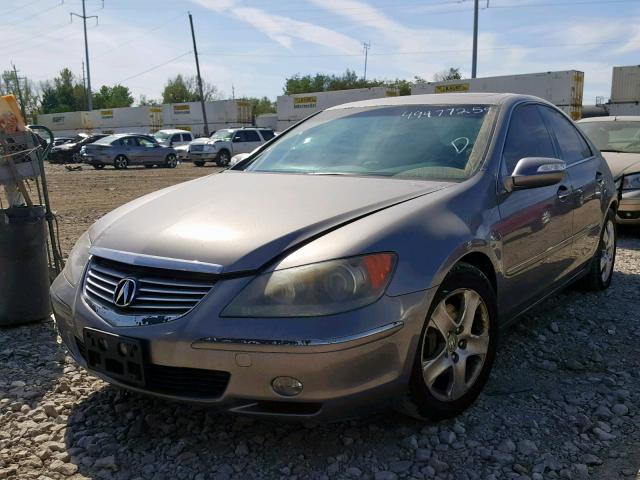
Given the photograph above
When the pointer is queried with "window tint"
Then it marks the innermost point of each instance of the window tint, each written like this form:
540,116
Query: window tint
176,138
251,136
239,136
527,137
186,137
572,146
267,134
130,142
145,142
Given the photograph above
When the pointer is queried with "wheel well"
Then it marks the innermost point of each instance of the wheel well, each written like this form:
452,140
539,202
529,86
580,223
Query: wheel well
484,264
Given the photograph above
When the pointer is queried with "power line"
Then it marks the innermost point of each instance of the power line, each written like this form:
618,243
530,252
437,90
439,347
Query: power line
32,16
154,67
15,9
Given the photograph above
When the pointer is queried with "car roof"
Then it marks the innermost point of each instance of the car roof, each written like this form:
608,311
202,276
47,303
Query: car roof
615,118
173,130
440,99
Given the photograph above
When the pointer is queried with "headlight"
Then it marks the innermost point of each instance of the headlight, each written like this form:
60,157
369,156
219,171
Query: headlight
631,182
77,260
210,147
323,288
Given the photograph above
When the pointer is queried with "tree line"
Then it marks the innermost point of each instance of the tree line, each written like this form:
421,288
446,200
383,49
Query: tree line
67,93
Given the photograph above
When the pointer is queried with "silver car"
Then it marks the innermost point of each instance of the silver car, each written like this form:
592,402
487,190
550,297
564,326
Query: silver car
122,150
365,258
618,138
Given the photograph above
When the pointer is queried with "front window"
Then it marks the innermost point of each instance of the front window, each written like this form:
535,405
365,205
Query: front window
225,135
410,141
614,136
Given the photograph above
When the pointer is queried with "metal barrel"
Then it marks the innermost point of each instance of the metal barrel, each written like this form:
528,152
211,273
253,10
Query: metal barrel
24,269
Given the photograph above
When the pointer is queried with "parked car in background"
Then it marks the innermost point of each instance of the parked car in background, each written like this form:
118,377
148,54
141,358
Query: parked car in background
366,257
618,138
225,143
178,139
123,150
69,152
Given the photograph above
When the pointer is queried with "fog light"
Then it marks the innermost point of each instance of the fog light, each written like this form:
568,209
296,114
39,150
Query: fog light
286,386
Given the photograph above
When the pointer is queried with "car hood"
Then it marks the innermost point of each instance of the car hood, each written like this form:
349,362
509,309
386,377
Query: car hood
622,163
242,220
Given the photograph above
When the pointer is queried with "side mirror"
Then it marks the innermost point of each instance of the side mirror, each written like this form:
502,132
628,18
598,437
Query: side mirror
236,140
534,172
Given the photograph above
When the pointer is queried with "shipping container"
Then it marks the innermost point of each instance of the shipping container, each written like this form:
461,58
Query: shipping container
293,108
628,109
127,119
220,114
67,121
625,84
267,120
564,88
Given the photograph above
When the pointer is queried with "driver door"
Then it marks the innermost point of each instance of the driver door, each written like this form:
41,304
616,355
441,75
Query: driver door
536,223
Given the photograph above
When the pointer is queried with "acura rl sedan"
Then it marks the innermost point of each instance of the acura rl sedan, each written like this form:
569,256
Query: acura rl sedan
366,257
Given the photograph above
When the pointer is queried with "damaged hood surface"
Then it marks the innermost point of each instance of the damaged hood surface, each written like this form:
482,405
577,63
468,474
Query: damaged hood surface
241,220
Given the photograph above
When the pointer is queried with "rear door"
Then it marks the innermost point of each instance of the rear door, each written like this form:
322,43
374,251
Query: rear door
536,223
583,168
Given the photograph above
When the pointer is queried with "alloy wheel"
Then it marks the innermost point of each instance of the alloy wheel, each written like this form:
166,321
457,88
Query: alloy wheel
455,344
172,161
607,250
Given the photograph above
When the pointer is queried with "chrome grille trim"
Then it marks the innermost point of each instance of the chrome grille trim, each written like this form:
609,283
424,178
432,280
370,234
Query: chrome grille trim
162,294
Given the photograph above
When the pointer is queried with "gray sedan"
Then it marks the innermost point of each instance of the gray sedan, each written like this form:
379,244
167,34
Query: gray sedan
122,150
367,257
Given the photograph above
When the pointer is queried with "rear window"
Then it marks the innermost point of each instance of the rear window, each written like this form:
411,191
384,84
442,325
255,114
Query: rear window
108,140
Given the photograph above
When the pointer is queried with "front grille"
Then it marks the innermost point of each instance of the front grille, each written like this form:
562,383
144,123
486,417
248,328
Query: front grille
160,293
179,381
196,148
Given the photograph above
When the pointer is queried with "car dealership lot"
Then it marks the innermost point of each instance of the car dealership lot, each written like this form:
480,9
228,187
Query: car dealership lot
562,401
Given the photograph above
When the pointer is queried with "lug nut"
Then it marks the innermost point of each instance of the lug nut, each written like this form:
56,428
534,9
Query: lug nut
458,330
462,344
454,357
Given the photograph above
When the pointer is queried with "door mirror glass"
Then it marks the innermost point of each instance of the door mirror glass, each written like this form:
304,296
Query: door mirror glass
534,172
237,139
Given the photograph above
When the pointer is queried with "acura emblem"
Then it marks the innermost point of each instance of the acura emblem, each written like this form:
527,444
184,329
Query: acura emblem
125,292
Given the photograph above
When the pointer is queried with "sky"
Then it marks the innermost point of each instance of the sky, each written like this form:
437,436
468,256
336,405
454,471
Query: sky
249,47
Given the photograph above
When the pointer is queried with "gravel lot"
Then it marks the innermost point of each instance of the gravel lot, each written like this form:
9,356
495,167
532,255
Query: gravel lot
563,400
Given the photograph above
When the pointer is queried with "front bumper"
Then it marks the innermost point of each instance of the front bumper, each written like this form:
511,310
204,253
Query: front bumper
629,208
344,374
202,156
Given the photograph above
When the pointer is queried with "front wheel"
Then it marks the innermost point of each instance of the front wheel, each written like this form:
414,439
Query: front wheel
171,161
601,269
76,158
120,162
223,158
457,346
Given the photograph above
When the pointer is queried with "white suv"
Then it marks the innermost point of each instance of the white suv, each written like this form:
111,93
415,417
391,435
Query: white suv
178,139
224,144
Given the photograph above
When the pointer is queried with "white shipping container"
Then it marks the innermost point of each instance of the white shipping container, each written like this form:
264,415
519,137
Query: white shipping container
123,119
267,120
625,84
67,121
564,88
619,109
292,108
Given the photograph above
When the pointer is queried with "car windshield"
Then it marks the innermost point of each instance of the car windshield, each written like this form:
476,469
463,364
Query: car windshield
412,141
161,136
616,136
222,135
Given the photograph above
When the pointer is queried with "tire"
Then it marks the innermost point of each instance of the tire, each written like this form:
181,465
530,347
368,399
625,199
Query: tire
120,162
76,158
601,269
98,166
223,158
148,166
171,161
198,163
455,375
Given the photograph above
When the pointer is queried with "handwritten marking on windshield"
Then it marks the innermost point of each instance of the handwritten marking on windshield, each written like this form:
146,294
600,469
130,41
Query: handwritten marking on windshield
445,112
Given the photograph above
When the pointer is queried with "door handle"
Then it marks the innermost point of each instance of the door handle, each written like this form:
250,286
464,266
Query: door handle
563,193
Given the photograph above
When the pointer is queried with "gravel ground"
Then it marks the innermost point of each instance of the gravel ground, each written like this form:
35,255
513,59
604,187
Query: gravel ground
563,401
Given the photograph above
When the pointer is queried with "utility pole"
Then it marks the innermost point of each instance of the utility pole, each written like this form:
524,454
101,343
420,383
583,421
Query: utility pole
367,46
195,52
233,92
84,85
474,61
86,50
15,74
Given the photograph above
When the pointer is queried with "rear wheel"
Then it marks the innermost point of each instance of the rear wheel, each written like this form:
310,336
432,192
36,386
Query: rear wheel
601,269
171,161
198,163
98,166
76,158
456,348
120,162
223,158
